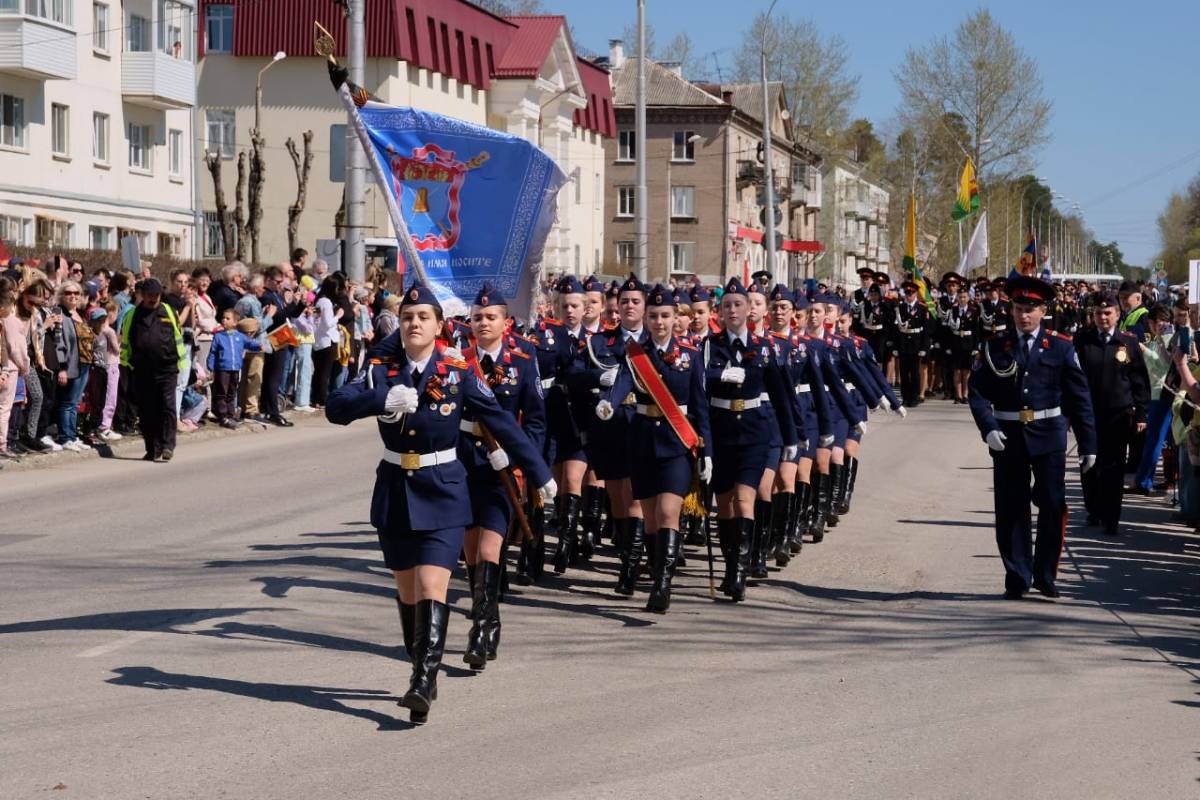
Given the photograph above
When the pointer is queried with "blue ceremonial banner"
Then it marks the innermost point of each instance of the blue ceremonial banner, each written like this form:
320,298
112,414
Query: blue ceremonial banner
477,203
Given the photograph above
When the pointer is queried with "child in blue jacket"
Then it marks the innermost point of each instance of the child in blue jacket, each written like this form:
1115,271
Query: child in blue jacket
229,346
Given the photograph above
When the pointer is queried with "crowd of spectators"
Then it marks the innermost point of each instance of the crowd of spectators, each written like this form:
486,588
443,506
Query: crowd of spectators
88,357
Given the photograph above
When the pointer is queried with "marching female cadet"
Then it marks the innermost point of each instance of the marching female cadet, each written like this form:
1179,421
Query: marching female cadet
595,496
760,540
746,387
608,441
847,438
665,456
963,325
419,396
702,323
811,413
512,375
841,411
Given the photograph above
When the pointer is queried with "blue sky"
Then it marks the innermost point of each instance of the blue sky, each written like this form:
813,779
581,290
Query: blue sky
1122,76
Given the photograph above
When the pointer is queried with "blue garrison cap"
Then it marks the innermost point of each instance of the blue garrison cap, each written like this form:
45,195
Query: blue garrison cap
699,294
571,285
593,284
735,287
781,292
489,295
632,284
660,296
419,294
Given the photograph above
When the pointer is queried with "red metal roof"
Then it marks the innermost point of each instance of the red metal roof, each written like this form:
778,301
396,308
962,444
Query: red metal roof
527,51
451,37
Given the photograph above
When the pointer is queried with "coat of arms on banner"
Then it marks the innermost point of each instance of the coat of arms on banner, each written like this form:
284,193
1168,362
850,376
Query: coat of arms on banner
429,186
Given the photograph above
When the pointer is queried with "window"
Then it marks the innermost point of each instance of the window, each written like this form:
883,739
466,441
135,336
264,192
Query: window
12,121
683,256
685,146
683,201
626,145
100,138
220,132
137,34
100,26
172,17
625,253
60,130
141,146
625,201
142,237
53,233
218,29
15,230
175,153
214,244
54,10
100,238
169,245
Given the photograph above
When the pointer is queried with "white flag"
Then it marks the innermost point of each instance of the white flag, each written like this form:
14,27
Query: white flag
976,254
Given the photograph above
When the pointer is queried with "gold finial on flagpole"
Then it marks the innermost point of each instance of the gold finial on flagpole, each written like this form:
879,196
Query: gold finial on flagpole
324,44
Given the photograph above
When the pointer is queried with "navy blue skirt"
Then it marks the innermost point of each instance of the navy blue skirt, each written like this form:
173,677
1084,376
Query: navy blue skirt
654,476
609,450
841,431
739,465
490,506
407,549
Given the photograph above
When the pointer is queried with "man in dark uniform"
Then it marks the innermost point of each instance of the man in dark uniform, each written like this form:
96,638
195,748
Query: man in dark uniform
1120,388
912,345
152,347
1025,385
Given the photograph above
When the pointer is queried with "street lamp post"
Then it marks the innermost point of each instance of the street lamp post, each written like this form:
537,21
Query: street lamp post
768,173
280,56
641,206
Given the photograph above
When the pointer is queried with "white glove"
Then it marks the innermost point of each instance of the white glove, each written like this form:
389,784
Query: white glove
995,441
733,375
1086,463
548,491
400,400
885,404
608,377
790,452
498,459
825,441
604,410
902,411
452,353
861,427
802,446
921,354
895,352
705,469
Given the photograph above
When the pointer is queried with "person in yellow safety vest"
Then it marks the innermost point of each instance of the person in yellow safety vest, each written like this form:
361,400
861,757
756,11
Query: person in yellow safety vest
153,349
1133,313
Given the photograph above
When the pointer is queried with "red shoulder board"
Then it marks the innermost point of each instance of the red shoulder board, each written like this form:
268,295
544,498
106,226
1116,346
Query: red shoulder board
608,327
525,338
551,321
455,362
859,340
779,335
754,339
518,353
1062,336
687,345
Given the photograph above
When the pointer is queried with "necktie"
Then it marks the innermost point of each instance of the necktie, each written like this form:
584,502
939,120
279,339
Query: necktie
1104,339
1028,341
738,349
486,363
416,375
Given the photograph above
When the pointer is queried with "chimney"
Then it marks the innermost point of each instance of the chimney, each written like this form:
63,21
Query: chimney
727,96
674,66
616,53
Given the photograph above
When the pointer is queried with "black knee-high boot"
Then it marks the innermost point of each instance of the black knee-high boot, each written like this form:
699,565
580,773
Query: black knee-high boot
760,538
609,528
848,491
798,517
666,550
781,513
820,502
568,516
727,533
841,492
631,555
485,603
745,534
407,612
835,480
531,562
589,522
429,643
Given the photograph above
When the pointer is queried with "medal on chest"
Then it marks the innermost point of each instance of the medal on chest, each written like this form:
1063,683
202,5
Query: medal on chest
1122,355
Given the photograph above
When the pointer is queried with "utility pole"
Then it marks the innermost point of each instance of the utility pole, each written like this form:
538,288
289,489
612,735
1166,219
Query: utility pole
641,199
768,174
356,159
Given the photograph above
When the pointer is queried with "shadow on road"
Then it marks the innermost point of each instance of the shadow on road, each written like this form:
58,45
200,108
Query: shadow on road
167,620
319,698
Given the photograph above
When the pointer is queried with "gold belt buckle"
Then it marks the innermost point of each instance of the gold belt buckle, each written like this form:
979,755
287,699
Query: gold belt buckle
653,411
737,405
410,460
630,400
1026,415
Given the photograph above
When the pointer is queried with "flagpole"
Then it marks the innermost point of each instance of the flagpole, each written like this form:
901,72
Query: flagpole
960,244
641,205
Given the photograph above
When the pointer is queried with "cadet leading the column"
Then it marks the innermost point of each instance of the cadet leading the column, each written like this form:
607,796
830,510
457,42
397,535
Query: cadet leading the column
418,397
1024,386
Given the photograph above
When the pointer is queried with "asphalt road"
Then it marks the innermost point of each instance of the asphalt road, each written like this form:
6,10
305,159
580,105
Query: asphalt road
222,626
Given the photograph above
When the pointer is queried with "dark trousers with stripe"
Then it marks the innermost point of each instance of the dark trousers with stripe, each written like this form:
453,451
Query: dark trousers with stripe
1104,484
1020,479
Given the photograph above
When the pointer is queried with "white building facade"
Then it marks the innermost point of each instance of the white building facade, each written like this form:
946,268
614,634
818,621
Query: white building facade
96,124
853,224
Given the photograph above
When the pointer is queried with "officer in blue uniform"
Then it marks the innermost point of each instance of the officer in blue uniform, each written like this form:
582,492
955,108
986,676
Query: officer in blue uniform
595,496
760,541
512,375
1024,387
746,388
419,396
663,469
608,446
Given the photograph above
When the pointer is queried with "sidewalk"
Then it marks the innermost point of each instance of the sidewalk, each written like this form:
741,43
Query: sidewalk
132,445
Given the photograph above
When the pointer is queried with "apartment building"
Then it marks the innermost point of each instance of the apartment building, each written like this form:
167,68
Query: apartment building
515,74
854,224
96,124
705,178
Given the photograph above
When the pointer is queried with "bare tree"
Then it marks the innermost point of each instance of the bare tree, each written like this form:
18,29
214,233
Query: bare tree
980,76
303,167
212,160
512,8
629,37
239,209
258,176
682,51
813,68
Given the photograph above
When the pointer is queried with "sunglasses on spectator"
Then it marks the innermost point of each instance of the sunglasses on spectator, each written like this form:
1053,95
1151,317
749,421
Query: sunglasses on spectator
66,293
76,272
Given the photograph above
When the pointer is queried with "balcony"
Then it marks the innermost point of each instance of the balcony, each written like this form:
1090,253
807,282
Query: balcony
157,80
32,47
